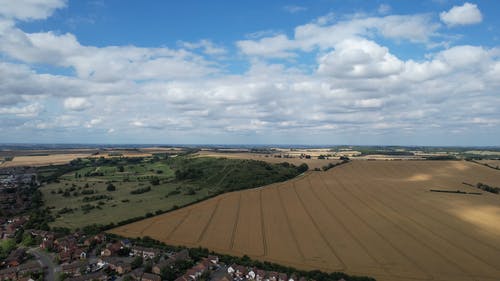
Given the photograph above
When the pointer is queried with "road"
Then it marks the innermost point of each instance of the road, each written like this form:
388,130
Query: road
47,261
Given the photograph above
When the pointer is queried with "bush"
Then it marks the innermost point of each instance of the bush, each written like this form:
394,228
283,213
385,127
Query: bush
141,190
110,187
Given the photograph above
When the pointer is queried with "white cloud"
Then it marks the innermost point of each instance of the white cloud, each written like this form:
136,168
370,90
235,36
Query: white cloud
348,84
324,34
30,110
29,9
462,15
77,104
359,58
207,46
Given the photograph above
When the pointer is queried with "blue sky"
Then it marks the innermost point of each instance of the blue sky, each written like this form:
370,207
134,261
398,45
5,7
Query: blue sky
250,72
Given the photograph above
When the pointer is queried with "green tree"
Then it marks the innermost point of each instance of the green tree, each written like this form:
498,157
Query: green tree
110,187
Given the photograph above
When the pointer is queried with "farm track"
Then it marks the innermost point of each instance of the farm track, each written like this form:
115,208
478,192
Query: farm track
235,225
373,218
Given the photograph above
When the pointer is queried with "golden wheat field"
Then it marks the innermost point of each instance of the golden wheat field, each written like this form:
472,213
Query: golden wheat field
374,218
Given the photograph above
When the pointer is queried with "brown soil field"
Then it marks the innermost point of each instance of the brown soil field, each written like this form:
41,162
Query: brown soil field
374,218
312,163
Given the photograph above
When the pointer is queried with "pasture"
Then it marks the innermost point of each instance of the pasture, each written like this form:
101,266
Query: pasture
104,191
373,218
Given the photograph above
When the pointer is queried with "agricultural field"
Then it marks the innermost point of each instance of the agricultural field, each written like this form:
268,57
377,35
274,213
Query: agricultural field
371,218
103,191
312,163
492,163
41,160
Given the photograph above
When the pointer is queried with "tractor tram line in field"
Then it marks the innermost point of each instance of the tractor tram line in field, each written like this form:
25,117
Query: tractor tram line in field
372,218
346,206
448,241
323,236
392,219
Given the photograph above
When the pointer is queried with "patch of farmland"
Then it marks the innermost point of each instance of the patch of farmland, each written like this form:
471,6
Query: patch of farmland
374,218
312,162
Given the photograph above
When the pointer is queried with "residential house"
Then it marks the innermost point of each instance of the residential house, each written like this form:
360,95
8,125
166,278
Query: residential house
29,267
282,277
119,264
251,275
8,274
74,268
92,276
15,258
111,249
185,277
147,253
150,277
260,275
272,276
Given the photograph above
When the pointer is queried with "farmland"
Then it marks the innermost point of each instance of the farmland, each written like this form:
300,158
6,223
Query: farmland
270,158
375,218
110,190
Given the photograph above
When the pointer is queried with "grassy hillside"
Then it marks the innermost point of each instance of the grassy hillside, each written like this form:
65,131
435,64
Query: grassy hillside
104,191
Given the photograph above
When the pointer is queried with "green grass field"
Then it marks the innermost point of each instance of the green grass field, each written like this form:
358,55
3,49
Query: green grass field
79,198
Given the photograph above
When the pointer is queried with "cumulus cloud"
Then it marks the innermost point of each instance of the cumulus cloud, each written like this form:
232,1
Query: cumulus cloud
29,9
331,77
319,34
30,110
359,58
77,104
462,15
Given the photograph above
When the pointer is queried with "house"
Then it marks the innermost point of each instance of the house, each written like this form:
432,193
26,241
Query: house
136,274
213,259
111,249
147,253
29,267
74,268
223,277
162,264
123,268
272,276
251,275
8,274
79,254
92,276
260,274
282,277
241,271
15,258
293,277
120,265
126,243
150,277
181,255
187,278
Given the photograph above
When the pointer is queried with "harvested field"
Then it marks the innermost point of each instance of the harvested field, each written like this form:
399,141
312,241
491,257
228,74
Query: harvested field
58,159
374,218
312,163
54,159
492,163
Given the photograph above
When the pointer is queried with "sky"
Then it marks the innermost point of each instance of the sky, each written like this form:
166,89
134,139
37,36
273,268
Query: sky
322,72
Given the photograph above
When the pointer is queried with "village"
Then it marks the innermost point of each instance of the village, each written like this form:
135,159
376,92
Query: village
80,257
